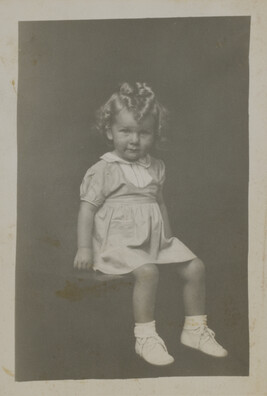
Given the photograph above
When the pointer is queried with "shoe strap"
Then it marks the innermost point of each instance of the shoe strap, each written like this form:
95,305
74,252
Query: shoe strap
210,335
156,337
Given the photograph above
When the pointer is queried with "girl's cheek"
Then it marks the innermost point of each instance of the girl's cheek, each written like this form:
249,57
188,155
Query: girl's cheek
151,141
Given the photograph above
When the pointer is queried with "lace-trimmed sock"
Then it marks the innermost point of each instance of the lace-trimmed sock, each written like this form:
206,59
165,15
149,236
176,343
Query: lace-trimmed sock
145,329
150,346
192,322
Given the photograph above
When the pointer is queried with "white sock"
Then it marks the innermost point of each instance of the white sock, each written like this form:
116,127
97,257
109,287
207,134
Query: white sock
193,322
142,330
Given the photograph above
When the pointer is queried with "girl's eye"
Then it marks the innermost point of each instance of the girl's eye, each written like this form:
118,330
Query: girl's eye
145,132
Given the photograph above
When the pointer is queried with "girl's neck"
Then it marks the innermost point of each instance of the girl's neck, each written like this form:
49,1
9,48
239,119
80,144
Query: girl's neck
143,159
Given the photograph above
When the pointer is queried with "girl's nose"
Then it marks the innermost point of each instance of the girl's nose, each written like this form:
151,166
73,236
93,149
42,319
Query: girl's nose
134,138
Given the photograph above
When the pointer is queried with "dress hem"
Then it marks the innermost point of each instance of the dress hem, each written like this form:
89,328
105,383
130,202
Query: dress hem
103,270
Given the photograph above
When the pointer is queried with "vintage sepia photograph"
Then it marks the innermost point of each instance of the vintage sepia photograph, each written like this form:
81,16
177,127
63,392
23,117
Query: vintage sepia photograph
132,200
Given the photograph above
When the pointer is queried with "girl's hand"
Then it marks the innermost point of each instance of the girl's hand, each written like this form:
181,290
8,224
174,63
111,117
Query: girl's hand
83,259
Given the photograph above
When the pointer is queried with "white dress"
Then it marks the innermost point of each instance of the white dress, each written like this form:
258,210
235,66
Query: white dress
128,226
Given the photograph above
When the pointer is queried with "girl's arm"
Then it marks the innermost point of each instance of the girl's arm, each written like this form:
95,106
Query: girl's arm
166,221
84,256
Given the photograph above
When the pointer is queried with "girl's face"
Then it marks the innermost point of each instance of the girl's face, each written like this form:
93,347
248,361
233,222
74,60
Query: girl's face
132,139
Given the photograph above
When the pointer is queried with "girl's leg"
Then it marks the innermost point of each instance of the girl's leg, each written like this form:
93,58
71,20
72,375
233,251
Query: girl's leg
144,293
194,292
148,343
196,333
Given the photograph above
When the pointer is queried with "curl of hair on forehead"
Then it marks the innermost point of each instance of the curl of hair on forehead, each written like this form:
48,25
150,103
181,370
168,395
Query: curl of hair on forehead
138,98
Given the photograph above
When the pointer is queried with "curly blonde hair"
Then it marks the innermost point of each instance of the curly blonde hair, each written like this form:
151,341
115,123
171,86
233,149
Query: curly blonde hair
138,98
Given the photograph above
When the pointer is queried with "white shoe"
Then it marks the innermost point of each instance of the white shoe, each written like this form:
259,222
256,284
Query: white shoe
153,350
203,339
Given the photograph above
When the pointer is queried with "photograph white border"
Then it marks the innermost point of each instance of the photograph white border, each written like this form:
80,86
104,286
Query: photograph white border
13,11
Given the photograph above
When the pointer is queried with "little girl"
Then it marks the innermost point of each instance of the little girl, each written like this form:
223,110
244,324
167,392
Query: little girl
123,224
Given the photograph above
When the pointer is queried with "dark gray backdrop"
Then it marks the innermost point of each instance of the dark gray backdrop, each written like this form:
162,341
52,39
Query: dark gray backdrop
71,327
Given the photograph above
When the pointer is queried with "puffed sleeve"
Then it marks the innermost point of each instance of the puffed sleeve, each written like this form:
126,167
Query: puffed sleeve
93,188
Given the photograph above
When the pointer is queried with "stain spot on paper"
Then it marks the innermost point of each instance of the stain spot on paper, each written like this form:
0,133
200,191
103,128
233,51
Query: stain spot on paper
252,325
10,236
8,372
74,292
51,241
14,86
221,43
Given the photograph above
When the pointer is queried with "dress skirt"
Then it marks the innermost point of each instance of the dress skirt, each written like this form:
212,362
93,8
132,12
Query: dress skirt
130,233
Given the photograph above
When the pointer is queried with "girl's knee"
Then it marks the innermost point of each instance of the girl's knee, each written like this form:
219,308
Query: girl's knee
147,273
194,270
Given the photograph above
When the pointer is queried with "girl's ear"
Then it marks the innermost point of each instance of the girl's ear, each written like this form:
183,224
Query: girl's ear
109,134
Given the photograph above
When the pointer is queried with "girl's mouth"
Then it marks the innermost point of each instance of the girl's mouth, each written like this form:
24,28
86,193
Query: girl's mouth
133,150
